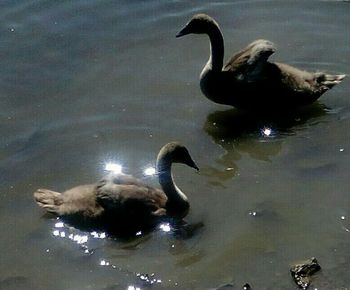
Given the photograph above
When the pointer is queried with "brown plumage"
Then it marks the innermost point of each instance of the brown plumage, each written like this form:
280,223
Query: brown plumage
248,80
119,201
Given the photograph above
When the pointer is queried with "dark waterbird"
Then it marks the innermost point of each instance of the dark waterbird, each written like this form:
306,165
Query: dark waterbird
120,202
249,81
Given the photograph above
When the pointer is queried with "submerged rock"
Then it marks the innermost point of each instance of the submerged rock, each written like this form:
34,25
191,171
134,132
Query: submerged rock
302,272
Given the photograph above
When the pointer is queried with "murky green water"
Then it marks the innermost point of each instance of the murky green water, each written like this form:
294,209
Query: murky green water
83,83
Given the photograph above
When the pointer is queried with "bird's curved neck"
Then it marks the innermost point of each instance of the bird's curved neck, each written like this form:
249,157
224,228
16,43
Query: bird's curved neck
216,58
176,198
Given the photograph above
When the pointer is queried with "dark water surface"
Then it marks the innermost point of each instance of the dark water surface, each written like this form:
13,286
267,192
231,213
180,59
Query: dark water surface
83,83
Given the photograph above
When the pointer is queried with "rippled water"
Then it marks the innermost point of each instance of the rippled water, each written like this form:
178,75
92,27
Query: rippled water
83,83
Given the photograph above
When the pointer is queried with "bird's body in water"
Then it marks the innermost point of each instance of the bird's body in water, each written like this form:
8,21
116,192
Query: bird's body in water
122,203
249,81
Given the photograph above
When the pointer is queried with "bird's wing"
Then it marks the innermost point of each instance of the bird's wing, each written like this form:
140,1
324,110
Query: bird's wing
249,57
130,196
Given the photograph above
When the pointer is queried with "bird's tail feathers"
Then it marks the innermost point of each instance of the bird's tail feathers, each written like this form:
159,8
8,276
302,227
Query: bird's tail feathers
328,81
48,200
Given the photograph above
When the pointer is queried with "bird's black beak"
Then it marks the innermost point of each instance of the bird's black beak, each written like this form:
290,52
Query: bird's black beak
184,31
192,164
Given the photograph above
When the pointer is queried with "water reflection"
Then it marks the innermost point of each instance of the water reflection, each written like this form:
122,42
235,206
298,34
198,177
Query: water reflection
173,234
146,280
103,262
345,223
149,279
149,171
165,227
266,132
113,167
62,231
132,287
261,137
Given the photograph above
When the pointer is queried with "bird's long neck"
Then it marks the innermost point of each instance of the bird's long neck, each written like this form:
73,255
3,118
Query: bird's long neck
177,200
216,58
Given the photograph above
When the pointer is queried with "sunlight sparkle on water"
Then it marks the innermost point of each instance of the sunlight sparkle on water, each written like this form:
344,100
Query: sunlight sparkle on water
266,131
148,278
132,287
149,171
253,213
113,167
59,225
97,235
165,227
104,263
60,231
79,239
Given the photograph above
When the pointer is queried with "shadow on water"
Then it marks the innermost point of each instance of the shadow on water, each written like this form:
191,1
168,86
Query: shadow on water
178,229
259,136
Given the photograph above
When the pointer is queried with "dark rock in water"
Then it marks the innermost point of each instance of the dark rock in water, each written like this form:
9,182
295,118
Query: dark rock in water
302,272
246,287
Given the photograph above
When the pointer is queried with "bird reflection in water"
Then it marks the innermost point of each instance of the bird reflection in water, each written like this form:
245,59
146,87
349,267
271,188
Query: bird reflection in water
85,240
259,136
62,231
175,233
